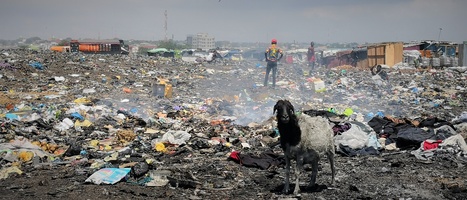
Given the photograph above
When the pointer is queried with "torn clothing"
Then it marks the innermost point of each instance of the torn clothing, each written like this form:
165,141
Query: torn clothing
263,161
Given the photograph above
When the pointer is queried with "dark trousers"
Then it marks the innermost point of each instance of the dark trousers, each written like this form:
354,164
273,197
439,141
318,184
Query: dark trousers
271,66
312,66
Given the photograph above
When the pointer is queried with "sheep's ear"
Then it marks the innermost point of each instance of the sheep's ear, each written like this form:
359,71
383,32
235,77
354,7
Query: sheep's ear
274,110
290,106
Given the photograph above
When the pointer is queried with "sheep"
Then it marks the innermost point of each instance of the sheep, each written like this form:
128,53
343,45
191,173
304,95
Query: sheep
303,138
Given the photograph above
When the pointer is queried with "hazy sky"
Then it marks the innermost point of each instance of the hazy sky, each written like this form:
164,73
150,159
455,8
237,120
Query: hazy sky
238,20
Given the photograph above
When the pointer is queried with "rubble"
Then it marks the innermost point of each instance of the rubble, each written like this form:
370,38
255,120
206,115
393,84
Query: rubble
175,129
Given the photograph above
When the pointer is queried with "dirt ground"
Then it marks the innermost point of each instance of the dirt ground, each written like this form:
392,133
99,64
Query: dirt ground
209,173
398,176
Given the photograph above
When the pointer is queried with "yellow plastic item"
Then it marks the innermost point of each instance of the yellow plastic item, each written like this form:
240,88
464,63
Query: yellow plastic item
5,172
168,91
51,147
25,156
348,112
37,143
82,100
107,148
160,147
85,123
94,143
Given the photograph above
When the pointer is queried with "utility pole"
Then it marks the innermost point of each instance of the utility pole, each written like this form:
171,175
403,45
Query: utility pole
439,35
165,26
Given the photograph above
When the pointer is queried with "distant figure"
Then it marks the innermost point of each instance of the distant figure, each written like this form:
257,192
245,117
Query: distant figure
378,70
311,57
354,57
273,54
418,61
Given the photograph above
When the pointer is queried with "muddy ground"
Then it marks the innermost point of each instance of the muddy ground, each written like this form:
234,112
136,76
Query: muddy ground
208,173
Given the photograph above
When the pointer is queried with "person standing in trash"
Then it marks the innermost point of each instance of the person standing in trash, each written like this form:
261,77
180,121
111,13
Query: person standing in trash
273,55
418,61
311,57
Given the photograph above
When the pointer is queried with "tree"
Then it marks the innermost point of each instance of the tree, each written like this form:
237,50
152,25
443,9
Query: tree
170,44
143,50
23,46
32,40
64,42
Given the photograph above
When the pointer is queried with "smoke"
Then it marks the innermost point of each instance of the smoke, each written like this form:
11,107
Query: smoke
235,91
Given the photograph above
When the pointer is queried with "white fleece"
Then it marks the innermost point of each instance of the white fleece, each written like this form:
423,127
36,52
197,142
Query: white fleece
317,134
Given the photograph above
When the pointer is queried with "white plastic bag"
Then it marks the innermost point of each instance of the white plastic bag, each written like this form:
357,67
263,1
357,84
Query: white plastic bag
354,138
176,137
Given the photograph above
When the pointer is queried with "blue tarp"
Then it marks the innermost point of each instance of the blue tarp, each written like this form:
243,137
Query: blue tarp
77,116
37,65
11,116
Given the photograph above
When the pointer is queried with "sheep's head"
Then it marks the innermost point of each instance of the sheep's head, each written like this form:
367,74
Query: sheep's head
284,111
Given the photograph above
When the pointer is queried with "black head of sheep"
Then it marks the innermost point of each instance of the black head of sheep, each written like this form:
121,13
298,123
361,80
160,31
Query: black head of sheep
287,123
303,138
284,110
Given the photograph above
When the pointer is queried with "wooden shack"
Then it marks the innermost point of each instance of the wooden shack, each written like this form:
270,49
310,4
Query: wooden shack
389,53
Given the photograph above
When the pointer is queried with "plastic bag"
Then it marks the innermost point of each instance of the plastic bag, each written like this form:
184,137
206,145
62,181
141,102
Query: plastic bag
354,138
108,175
176,137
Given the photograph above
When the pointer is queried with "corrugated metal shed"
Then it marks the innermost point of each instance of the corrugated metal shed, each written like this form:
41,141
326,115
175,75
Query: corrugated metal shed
412,47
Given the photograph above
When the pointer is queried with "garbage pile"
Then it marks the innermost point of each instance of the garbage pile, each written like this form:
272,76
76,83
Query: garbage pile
137,120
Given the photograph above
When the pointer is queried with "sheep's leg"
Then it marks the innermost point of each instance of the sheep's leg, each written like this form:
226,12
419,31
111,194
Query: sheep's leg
298,169
331,162
314,172
287,169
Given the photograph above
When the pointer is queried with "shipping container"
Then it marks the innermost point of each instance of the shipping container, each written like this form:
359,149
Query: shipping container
99,46
89,48
60,48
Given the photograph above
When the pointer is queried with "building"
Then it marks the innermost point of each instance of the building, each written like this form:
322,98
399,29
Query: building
201,41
